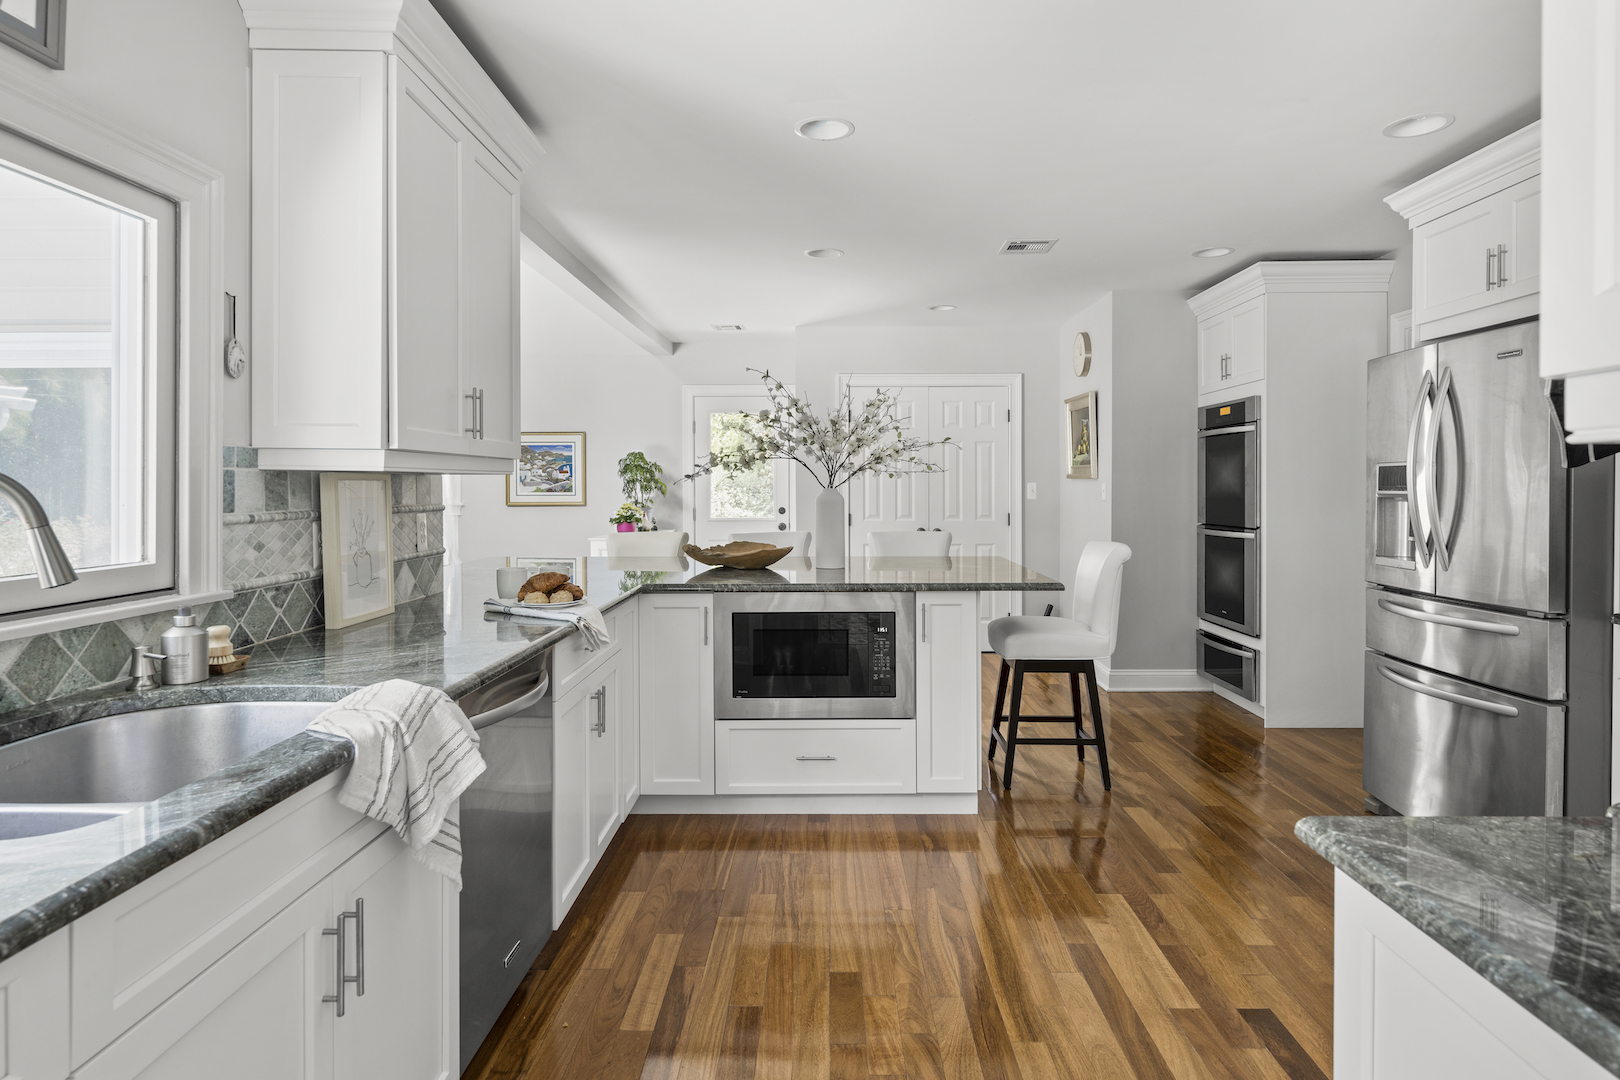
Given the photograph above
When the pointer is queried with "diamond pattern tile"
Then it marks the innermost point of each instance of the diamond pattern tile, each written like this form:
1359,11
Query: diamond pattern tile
268,548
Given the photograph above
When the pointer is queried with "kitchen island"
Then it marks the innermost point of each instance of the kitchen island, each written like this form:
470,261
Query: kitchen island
1479,947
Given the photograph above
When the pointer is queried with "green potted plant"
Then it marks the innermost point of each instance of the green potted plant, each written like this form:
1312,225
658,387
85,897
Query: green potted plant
643,481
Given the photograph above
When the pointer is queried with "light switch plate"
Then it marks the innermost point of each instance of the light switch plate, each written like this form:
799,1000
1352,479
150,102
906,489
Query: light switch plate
1029,491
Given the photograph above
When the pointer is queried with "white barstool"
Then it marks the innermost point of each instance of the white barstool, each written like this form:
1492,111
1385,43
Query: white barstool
798,541
1028,643
934,544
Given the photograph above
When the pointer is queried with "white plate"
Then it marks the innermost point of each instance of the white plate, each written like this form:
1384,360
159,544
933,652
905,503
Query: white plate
546,607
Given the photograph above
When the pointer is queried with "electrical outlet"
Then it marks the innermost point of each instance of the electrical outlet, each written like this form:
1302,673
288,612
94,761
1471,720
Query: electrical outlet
1104,488
1029,491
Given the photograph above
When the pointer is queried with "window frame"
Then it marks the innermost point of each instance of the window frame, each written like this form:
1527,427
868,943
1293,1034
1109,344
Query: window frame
33,111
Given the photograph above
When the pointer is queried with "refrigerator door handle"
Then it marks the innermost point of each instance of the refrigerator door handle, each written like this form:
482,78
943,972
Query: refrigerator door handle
1449,620
1447,695
1415,507
1444,533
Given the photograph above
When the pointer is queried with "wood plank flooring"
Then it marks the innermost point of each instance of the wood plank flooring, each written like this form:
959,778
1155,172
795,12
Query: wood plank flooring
1171,928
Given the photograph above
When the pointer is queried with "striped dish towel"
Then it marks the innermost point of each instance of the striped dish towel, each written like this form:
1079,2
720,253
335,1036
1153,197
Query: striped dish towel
414,754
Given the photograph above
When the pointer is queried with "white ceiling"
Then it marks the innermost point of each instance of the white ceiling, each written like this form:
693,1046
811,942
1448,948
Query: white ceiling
1133,131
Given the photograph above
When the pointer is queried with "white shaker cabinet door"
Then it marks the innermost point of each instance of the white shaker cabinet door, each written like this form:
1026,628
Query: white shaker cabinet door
1214,352
625,621
430,411
34,993
602,755
1248,362
949,753
258,1008
396,1022
677,694
489,288
570,808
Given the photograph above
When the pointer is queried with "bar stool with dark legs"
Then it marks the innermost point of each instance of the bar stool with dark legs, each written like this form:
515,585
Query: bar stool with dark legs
1046,643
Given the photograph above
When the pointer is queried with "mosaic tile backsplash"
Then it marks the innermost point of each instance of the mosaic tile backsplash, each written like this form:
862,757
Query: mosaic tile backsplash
272,561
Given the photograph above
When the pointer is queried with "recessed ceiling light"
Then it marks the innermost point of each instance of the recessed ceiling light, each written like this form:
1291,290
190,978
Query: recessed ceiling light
942,307
1409,127
825,253
1212,253
825,128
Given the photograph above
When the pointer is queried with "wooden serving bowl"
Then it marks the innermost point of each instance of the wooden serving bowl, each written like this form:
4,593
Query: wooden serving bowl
739,555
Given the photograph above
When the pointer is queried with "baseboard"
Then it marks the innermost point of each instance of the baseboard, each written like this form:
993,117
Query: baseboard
1157,680
922,803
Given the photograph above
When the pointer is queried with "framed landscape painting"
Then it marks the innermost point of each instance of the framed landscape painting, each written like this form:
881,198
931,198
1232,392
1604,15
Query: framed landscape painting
550,470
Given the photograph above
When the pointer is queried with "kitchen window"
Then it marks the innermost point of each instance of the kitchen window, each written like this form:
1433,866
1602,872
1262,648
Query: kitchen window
88,375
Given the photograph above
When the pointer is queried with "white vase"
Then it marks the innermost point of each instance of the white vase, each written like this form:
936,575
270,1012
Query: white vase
829,545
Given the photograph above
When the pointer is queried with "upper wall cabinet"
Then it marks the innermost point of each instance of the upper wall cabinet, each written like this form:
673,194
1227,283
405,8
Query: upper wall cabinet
1476,238
386,216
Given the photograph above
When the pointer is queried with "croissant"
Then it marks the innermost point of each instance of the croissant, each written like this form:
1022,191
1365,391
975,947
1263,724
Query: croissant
548,582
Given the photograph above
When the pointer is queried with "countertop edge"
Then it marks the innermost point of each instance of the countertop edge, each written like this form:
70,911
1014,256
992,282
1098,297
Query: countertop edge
321,758
1584,1027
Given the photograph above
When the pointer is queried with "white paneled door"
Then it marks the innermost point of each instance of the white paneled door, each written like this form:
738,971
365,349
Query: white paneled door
969,496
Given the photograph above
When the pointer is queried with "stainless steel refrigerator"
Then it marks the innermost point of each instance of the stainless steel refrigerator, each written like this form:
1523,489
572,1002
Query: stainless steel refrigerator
1489,566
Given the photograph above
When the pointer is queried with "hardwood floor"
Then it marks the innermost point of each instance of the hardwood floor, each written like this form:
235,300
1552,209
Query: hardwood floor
1173,927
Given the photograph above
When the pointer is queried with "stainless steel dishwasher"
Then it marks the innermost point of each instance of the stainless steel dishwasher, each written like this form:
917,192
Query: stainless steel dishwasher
505,845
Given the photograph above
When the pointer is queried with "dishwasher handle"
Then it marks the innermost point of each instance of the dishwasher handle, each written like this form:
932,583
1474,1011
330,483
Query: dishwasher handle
512,708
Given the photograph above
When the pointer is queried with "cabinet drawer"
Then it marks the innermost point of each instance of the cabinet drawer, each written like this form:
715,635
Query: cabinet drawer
815,757
572,663
132,953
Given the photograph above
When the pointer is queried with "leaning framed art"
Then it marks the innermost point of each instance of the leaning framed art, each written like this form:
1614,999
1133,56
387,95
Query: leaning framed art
357,547
550,470
1082,462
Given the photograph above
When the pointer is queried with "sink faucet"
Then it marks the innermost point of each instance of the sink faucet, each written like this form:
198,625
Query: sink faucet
50,561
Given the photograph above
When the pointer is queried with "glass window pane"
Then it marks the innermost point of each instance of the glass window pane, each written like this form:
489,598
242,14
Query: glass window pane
72,388
736,494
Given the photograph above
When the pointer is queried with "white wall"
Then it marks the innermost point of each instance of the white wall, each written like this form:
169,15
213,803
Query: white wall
581,375
1085,508
823,352
175,71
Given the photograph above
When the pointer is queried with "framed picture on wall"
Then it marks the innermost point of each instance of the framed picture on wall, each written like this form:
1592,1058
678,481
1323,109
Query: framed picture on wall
550,470
572,565
34,27
1082,463
357,547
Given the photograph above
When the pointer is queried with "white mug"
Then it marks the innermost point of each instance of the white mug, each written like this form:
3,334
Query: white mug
509,579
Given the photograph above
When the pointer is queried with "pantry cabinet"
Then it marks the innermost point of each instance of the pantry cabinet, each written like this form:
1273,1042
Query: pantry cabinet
1476,238
386,231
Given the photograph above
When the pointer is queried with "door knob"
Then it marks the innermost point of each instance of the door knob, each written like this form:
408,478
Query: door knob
781,509
781,526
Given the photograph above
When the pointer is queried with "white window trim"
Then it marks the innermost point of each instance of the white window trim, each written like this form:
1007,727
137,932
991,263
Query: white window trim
689,444
31,110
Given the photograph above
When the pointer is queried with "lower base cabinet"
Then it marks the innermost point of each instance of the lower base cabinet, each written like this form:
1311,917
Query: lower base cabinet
268,1006
591,721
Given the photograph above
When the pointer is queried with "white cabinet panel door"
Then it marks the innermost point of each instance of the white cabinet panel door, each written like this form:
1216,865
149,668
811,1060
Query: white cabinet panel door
949,750
34,1003
428,382
676,694
1521,222
1248,361
1456,261
570,808
489,283
1214,352
399,1028
602,755
629,707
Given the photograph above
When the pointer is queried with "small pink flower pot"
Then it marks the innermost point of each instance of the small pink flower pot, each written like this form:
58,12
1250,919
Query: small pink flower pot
627,526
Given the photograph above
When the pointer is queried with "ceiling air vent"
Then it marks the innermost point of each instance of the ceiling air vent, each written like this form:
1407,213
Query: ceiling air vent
728,326
1027,247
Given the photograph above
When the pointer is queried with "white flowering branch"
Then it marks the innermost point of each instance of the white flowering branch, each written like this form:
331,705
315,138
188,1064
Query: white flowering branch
847,442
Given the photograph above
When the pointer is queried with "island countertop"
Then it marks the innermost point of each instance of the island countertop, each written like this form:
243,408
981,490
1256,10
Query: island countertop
1529,903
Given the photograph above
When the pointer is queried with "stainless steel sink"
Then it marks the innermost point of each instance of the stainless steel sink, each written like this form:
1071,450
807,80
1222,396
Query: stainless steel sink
81,774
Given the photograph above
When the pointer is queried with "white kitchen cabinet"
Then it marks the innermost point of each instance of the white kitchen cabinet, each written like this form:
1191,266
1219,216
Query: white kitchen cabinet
1404,1008
1232,346
232,958
949,752
627,706
34,988
1476,238
676,690
815,757
385,261
586,808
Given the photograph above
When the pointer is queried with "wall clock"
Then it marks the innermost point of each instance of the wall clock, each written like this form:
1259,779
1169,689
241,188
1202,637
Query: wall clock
1082,354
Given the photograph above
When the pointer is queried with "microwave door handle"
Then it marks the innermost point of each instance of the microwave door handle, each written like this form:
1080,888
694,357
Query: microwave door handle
1484,627
1414,510
1443,536
1447,695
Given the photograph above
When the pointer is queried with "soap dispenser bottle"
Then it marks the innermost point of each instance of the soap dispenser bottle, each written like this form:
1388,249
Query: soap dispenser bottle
185,650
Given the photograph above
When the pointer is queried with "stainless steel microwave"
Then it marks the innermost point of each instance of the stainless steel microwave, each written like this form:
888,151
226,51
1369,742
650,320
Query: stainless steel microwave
802,654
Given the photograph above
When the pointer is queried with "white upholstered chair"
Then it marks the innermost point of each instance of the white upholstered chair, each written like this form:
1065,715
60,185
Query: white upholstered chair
1028,643
798,541
917,542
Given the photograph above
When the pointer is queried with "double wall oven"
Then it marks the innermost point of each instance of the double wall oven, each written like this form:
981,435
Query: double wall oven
797,655
1229,539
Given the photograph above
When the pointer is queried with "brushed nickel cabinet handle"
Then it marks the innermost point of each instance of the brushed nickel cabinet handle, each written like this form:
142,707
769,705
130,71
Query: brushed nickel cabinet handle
1501,266
343,976
823,757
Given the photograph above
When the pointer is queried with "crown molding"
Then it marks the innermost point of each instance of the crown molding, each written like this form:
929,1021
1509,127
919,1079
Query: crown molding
1301,276
1503,163
411,27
